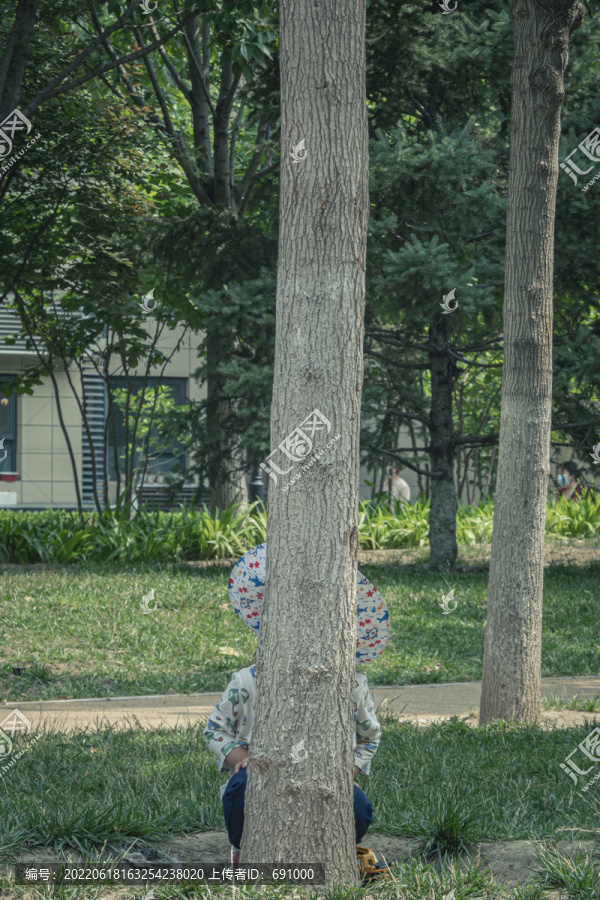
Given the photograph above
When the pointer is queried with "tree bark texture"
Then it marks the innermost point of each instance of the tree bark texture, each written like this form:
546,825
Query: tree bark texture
14,57
444,502
513,644
307,639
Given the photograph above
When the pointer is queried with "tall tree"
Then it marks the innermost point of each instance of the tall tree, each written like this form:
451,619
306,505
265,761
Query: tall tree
307,637
194,98
513,645
439,99
436,224
75,252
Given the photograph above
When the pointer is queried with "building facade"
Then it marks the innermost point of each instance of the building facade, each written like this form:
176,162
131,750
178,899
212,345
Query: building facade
38,470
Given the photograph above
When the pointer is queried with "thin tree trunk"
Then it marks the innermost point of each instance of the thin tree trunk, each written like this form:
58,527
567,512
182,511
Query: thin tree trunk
513,639
67,437
444,503
224,463
413,440
466,478
488,476
105,366
461,458
221,125
14,58
307,638
199,106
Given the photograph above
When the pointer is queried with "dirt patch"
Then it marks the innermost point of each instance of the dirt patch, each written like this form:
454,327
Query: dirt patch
569,552
557,552
549,719
34,567
507,862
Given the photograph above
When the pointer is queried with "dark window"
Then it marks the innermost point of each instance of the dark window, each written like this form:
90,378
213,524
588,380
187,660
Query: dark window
159,462
8,429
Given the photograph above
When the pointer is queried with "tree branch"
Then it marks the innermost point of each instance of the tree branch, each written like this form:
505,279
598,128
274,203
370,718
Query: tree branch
246,182
418,417
393,362
471,362
477,238
53,90
474,440
409,465
234,134
194,60
484,346
382,337
174,142
185,90
266,171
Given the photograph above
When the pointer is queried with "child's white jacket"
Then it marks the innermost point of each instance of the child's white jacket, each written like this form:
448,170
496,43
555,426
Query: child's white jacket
230,724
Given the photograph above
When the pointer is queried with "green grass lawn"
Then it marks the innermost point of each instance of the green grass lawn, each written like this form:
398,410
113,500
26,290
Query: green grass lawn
448,784
81,632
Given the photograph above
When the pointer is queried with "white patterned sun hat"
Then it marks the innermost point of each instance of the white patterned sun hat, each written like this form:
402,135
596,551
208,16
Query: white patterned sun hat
246,593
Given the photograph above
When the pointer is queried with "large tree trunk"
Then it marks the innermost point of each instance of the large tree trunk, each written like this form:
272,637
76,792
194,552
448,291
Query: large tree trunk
444,503
513,639
307,639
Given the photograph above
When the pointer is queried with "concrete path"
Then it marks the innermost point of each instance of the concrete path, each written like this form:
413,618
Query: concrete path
421,704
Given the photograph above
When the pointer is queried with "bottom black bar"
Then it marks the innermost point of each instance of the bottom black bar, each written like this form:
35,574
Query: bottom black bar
200,873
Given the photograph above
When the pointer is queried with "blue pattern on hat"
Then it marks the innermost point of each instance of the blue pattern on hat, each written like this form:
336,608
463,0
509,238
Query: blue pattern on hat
246,594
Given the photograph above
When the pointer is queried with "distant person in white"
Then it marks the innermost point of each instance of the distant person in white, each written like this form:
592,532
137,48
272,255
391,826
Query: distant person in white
400,489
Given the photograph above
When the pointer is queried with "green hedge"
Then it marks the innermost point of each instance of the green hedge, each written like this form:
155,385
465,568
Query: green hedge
55,536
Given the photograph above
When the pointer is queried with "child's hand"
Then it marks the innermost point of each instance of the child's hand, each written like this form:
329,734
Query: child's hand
241,765
236,757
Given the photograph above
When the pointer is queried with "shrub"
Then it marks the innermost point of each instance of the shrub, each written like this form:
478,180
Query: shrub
56,536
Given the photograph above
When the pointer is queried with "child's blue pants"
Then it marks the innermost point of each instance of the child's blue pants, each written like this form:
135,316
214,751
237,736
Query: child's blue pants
233,807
